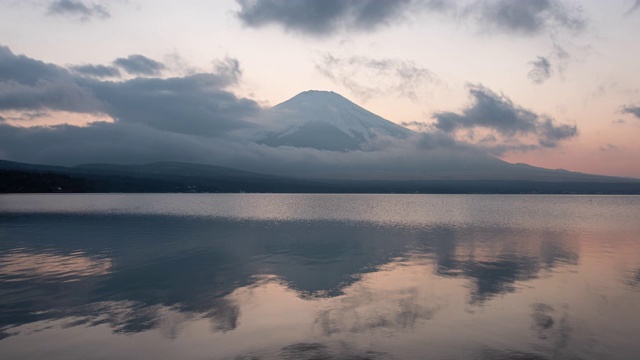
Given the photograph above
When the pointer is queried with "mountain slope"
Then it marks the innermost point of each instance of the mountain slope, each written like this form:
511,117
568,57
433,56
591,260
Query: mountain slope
185,177
173,168
325,120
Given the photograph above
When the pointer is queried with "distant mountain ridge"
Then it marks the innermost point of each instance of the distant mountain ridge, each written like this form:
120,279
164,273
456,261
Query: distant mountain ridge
185,177
174,168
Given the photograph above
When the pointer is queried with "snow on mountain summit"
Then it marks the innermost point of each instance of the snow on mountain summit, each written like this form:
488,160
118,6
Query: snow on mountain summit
327,121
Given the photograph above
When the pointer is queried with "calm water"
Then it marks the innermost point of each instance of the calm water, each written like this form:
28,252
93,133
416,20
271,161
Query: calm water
319,277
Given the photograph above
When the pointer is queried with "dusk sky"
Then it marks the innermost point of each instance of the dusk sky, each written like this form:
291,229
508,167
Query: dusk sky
551,83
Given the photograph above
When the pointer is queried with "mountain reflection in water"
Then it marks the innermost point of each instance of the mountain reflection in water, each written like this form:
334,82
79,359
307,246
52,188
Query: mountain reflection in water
196,286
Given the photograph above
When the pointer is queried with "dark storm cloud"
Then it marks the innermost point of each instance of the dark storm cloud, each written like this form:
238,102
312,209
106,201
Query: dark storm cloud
497,112
526,17
323,17
368,77
139,65
98,71
541,70
78,10
633,110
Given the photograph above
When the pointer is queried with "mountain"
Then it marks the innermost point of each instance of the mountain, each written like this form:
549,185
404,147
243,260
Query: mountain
164,176
176,177
325,120
318,141
174,168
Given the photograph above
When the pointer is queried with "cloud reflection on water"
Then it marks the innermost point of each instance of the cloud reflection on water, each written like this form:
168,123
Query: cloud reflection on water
191,265
306,285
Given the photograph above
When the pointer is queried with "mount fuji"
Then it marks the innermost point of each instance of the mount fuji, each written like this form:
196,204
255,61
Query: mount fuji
355,143
317,141
325,120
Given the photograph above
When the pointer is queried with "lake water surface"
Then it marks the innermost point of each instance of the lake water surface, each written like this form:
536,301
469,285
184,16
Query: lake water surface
251,276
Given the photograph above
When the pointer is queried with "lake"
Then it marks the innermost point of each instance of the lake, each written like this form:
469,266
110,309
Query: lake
261,276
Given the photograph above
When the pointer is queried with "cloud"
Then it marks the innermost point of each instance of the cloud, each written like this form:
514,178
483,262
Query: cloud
26,116
541,70
368,77
78,9
139,65
327,17
28,84
190,118
417,125
318,18
632,110
60,95
635,7
562,58
499,114
25,70
135,143
529,17
194,104
228,67
195,119
98,71
609,147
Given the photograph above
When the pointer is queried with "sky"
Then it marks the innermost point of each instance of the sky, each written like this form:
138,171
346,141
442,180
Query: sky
551,83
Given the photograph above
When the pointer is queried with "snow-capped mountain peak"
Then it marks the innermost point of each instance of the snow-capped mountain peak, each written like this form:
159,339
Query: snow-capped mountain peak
325,120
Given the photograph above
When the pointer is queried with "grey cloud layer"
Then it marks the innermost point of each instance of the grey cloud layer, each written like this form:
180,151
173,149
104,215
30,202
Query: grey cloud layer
99,71
25,70
195,104
28,84
316,17
139,65
59,95
136,65
497,112
138,143
323,17
78,9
